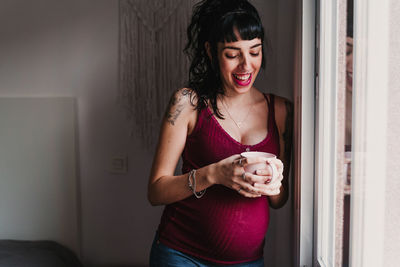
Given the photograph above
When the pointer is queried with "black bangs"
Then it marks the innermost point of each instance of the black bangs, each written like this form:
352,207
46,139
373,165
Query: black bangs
246,25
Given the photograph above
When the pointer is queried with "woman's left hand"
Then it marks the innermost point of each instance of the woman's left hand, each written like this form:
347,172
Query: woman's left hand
263,180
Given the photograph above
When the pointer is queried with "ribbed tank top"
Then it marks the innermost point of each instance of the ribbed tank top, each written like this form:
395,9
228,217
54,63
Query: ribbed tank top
223,226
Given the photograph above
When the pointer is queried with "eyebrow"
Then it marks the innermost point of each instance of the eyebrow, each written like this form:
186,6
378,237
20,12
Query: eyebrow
237,48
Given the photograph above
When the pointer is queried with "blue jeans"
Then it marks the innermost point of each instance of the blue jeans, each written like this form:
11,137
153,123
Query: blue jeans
163,256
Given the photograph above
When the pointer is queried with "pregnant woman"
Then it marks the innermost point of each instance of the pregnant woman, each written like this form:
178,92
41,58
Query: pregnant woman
215,213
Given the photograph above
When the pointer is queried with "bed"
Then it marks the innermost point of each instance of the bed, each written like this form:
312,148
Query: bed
18,253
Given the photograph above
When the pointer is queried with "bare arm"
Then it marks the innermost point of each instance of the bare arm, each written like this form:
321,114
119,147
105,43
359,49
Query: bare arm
284,121
164,187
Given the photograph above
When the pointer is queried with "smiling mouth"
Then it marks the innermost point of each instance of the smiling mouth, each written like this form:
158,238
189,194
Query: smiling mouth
242,77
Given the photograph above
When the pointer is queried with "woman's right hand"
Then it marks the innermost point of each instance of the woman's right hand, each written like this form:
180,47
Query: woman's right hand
229,172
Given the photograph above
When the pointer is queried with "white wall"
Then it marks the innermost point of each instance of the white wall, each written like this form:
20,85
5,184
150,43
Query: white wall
70,48
392,207
38,183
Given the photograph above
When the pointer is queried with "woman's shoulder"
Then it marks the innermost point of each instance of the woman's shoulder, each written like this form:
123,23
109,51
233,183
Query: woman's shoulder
283,111
282,103
184,97
182,107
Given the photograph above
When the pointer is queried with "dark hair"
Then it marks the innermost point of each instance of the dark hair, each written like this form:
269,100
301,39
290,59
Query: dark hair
215,21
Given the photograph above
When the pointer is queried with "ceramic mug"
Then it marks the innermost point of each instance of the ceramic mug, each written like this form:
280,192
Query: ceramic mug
252,168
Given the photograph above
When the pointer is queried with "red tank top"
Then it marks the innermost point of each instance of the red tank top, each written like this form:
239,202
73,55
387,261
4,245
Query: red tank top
222,227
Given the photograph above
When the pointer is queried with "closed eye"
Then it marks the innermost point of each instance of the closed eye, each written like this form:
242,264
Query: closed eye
231,56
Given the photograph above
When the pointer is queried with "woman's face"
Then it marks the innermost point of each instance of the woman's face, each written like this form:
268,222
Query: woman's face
239,64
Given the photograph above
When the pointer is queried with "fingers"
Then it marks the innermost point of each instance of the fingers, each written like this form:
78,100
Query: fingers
258,189
240,161
247,188
278,164
265,176
247,194
246,191
268,171
270,189
258,184
261,176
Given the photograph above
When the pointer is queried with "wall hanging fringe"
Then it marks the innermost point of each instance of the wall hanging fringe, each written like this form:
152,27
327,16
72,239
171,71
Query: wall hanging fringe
151,59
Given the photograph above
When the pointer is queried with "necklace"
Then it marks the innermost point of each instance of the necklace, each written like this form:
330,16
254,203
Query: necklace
238,124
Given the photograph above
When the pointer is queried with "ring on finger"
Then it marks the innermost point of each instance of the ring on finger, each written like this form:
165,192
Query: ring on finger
239,190
240,162
244,176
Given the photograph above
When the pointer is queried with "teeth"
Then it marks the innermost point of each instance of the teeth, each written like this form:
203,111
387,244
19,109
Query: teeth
242,77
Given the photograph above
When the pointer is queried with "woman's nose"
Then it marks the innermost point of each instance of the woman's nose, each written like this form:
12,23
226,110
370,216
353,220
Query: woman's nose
245,62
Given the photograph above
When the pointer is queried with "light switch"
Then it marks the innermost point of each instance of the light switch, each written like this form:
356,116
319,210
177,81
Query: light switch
119,165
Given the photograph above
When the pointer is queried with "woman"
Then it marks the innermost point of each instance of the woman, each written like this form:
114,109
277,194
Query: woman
216,213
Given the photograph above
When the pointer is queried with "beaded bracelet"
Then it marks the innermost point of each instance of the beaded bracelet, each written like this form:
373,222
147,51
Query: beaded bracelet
192,185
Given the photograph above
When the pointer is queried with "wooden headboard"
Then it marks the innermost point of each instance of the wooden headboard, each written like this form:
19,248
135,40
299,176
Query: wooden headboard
39,196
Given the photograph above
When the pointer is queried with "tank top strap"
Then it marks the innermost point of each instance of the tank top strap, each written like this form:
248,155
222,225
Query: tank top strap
203,115
271,111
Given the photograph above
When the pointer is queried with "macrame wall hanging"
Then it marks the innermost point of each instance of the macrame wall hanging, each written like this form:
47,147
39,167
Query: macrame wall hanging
152,62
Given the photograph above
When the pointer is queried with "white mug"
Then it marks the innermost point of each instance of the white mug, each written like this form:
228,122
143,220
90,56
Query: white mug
253,167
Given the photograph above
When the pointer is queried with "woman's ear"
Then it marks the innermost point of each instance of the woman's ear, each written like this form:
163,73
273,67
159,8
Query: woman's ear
208,50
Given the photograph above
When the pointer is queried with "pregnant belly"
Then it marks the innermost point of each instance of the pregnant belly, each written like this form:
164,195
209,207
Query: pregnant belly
224,226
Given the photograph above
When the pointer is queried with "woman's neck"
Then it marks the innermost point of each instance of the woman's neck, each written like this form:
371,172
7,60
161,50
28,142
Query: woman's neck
244,99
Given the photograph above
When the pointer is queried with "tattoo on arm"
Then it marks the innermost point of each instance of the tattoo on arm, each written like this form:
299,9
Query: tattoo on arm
175,105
